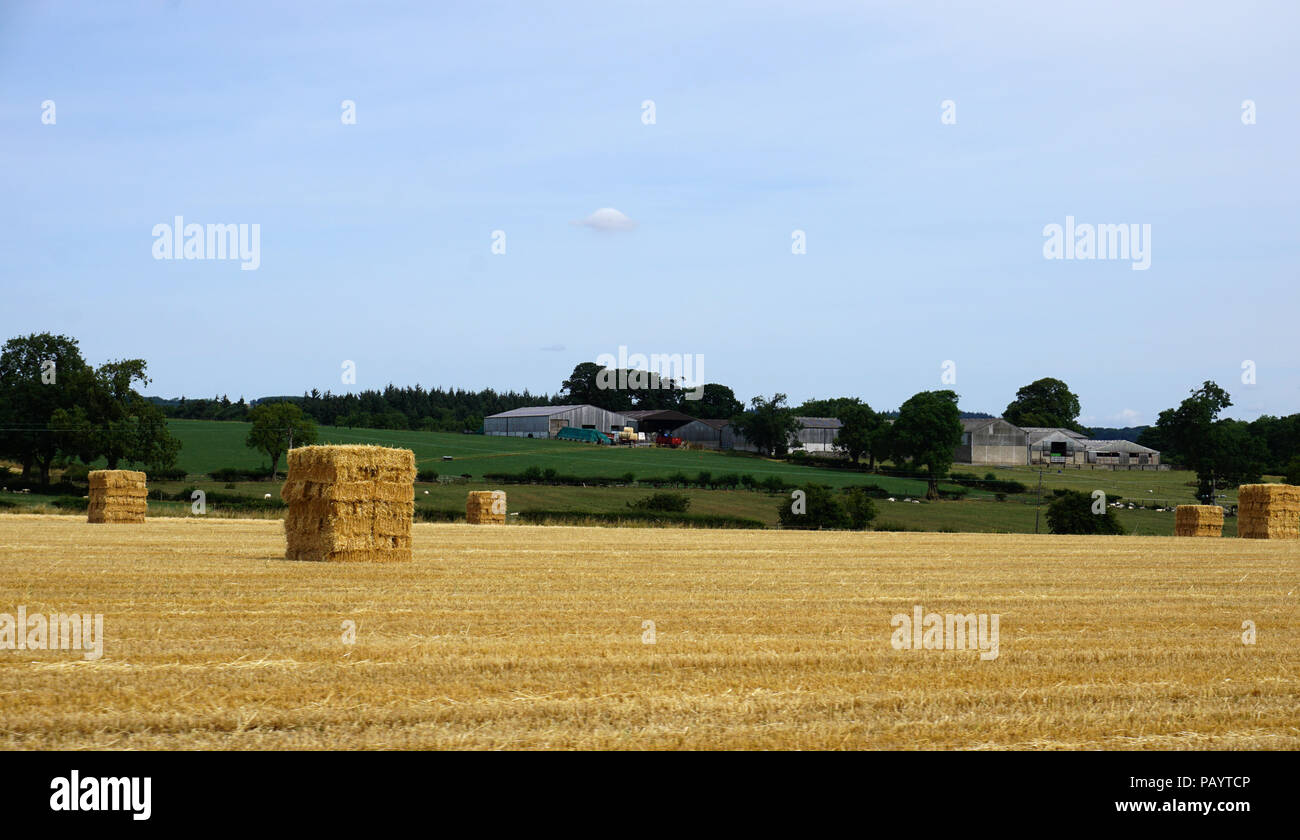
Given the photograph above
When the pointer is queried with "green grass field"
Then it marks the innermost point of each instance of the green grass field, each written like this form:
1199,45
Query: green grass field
209,445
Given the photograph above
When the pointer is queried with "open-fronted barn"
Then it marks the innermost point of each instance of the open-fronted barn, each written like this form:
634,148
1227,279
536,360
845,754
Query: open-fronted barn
1120,453
1055,445
545,421
658,421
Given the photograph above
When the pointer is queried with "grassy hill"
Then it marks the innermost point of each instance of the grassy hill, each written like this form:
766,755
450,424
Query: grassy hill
210,445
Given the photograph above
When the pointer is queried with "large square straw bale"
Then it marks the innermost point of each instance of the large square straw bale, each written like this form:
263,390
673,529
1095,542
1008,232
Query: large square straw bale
349,504
1268,511
117,496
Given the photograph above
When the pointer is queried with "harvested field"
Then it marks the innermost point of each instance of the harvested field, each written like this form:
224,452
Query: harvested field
524,637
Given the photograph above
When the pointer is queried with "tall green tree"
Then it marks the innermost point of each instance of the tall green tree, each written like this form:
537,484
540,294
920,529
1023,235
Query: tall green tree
274,426
1045,402
768,425
116,423
716,402
861,425
1220,452
41,375
927,430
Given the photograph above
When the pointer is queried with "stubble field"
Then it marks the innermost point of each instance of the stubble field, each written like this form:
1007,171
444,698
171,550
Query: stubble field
534,637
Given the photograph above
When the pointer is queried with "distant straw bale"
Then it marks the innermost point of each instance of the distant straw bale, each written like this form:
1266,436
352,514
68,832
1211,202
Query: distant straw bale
486,507
1198,521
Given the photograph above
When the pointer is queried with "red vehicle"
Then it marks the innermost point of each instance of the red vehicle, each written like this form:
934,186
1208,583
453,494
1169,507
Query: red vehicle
664,440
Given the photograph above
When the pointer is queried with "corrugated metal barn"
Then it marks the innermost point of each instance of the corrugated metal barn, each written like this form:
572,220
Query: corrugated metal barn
991,441
818,434
545,421
706,434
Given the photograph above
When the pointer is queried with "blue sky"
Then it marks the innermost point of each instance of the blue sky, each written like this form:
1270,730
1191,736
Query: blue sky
924,240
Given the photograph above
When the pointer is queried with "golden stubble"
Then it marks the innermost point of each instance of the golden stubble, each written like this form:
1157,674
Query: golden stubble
532,638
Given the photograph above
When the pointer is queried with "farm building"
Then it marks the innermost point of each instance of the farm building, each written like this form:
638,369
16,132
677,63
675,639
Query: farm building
997,442
656,422
1056,445
991,441
1120,453
545,421
706,434
817,434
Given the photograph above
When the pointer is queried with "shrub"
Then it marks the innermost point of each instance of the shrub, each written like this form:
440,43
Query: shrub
427,475
165,474
819,509
670,502
729,481
1071,513
859,507
1293,471
704,479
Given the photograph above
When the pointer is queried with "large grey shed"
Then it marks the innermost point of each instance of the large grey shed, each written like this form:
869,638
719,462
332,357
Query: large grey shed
545,421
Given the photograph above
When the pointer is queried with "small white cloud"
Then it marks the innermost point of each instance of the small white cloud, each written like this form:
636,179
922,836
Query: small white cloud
553,348
608,219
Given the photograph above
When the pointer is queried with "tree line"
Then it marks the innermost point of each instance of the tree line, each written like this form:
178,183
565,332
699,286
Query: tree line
56,408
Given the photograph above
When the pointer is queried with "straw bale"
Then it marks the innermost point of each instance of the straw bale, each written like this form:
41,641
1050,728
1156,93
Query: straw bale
349,504
1198,521
480,506
1268,511
117,496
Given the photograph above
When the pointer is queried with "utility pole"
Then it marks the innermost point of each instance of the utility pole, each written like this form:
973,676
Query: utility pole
1039,503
